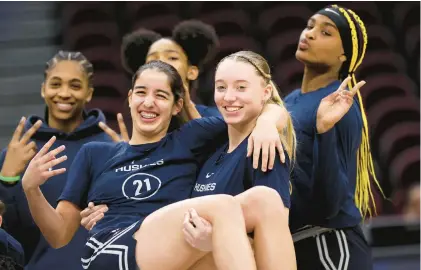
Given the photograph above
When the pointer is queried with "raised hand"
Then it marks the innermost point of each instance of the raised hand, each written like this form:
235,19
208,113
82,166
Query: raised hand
40,169
124,135
333,107
20,150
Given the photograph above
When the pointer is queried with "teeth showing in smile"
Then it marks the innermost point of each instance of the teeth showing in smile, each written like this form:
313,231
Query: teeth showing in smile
232,109
148,115
64,106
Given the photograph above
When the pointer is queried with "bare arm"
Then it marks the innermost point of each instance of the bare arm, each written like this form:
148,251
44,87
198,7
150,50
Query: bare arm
274,113
191,111
57,225
269,124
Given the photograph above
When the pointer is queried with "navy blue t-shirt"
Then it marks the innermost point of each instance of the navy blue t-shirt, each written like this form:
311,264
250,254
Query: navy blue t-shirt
18,221
233,173
207,111
325,172
136,180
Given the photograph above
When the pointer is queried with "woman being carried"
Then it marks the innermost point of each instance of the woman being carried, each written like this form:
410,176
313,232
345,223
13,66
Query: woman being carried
145,184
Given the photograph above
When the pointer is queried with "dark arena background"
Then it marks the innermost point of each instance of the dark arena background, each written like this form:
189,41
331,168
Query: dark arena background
32,32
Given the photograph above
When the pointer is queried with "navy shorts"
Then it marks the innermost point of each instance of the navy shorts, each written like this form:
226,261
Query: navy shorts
113,249
341,249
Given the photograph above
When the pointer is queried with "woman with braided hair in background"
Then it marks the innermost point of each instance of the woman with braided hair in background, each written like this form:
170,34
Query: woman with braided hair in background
192,44
66,90
331,180
331,186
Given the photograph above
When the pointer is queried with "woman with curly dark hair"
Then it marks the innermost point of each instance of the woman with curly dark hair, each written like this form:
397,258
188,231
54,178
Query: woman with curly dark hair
192,44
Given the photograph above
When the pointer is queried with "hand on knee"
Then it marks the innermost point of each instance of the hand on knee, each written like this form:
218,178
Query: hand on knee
197,231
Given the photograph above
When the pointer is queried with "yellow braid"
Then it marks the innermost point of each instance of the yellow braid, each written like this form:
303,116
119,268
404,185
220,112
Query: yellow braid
365,166
365,139
354,38
288,137
365,36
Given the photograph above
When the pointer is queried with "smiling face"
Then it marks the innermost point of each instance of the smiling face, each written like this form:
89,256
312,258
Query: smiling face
240,92
152,103
320,43
66,91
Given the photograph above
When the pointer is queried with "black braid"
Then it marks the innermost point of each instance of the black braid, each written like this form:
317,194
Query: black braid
72,56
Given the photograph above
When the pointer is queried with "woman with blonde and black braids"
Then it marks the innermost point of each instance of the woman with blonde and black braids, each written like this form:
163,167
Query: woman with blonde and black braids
331,176
331,185
331,180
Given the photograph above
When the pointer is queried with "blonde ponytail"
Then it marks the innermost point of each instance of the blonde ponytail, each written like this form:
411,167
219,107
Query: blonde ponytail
288,137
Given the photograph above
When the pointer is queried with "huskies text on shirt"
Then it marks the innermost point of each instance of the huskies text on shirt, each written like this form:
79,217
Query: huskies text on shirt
134,181
233,173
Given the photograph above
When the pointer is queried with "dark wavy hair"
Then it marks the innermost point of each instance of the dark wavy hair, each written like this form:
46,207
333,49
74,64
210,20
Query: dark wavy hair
176,85
198,40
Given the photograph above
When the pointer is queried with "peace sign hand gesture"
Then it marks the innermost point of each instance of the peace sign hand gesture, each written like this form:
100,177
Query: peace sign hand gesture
114,135
20,150
333,107
40,169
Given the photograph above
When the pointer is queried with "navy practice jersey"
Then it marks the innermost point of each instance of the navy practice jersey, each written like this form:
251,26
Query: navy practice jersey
18,219
207,111
233,173
324,175
136,180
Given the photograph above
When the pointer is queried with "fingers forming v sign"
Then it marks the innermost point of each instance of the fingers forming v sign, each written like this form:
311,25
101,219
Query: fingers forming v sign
348,95
40,169
20,150
334,106
124,134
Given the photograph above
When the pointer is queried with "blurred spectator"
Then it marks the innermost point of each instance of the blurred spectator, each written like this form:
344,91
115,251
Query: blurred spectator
411,210
11,252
